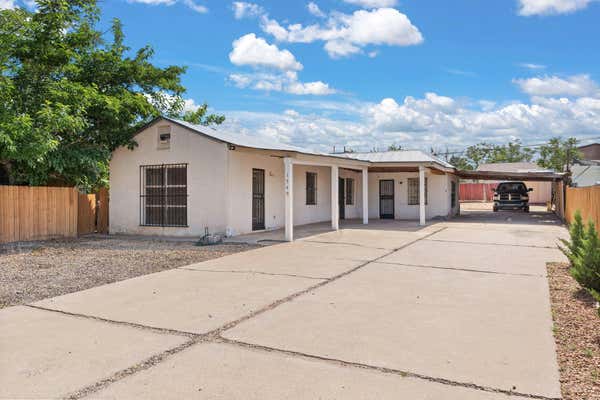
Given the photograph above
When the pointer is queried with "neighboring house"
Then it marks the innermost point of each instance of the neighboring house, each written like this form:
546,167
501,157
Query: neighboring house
591,152
585,175
185,180
542,191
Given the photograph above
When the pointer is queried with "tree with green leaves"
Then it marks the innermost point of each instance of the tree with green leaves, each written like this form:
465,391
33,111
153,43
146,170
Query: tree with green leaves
485,153
460,163
70,96
559,154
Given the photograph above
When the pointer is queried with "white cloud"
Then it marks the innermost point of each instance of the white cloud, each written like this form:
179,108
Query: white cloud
317,88
431,120
576,85
256,52
7,4
314,9
242,9
346,34
551,7
280,82
373,3
189,3
195,6
532,66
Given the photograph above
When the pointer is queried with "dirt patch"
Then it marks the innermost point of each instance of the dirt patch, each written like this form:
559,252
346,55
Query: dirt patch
577,334
52,268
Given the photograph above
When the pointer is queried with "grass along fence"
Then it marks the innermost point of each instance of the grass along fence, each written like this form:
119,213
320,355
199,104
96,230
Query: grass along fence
586,200
39,213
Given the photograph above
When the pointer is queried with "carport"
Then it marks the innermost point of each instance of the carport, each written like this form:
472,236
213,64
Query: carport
557,179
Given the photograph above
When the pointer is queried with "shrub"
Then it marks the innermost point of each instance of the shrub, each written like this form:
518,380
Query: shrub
572,247
585,259
585,267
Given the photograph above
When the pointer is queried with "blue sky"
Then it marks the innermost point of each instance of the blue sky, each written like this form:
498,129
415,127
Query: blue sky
368,73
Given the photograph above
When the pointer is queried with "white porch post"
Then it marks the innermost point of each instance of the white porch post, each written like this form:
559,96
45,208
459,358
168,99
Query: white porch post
289,199
335,210
365,195
421,195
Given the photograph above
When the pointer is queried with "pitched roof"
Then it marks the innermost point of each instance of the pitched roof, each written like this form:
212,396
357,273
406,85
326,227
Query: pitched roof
512,167
402,156
585,175
399,156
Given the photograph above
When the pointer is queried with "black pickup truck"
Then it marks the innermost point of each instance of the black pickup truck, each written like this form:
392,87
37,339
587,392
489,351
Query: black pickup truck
512,195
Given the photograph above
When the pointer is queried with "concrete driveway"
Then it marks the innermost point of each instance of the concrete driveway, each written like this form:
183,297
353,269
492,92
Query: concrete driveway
456,310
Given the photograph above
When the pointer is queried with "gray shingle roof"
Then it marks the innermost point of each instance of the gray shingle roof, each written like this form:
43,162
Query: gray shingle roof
402,156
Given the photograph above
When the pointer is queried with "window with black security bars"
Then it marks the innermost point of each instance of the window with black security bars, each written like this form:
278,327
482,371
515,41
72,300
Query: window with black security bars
413,191
311,188
163,195
349,191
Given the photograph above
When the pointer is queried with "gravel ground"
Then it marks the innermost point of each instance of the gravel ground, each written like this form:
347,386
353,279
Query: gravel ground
40,270
577,334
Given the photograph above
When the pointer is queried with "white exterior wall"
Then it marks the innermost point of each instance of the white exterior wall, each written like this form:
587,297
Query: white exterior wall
438,186
308,214
354,211
206,180
220,187
241,164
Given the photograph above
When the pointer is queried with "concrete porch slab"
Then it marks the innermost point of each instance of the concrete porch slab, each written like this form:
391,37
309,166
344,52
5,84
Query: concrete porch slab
300,258
49,355
483,257
486,329
227,372
183,300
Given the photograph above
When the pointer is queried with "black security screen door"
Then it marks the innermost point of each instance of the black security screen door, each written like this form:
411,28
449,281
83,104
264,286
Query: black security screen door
386,199
258,199
341,197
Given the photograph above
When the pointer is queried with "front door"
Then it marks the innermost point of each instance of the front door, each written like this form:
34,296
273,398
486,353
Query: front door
342,197
386,199
258,199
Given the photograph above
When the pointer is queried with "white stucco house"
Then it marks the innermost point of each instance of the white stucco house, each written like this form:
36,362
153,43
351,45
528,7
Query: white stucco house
186,180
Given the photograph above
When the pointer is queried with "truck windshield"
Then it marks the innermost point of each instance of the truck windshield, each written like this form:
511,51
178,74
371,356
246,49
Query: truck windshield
518,187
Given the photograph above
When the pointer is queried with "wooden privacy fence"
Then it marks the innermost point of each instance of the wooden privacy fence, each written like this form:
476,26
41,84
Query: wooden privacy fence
39,213
92,212
476,191
586,200
542,191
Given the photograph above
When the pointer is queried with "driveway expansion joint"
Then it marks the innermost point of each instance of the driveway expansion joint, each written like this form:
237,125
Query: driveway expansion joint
163,331
480,271
211,336
385,370
493,244
345,244
253,272
141,366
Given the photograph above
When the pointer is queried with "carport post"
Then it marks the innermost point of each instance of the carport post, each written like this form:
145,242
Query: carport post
335,211
289,199
365,195
421,195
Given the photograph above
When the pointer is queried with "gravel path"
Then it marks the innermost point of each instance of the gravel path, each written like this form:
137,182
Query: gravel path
577,334
47,269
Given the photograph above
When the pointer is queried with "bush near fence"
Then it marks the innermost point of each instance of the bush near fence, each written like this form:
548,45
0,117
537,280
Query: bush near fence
39,213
